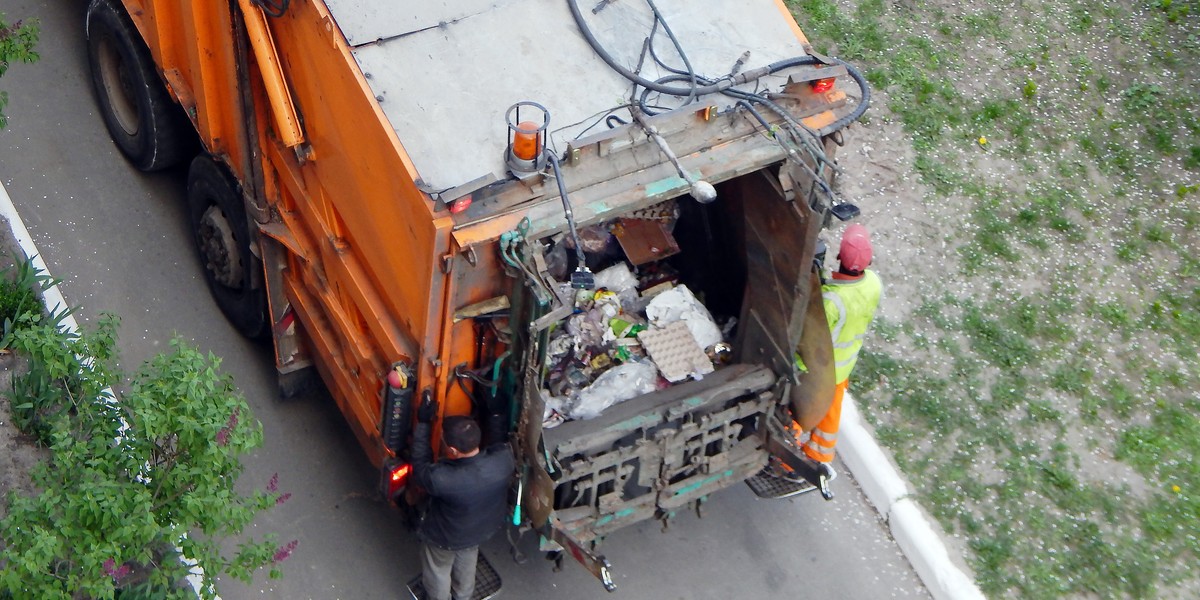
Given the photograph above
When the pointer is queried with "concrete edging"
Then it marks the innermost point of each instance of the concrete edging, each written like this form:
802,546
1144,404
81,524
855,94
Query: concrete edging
887,490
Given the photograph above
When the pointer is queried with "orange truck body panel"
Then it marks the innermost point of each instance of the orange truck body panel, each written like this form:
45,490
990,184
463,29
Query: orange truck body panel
365,300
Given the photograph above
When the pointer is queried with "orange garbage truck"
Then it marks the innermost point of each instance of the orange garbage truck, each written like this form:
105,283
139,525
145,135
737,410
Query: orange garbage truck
601,217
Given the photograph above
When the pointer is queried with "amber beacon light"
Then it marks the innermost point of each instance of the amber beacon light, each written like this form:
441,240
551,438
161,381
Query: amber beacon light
527,122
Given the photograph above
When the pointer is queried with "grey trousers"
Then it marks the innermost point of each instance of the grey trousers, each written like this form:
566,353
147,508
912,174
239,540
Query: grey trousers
443,570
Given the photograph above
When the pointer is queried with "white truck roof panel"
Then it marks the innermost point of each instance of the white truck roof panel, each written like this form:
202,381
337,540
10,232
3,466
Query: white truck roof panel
445,72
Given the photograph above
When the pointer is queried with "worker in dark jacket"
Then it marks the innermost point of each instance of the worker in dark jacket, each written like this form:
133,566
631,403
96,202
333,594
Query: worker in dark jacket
468,498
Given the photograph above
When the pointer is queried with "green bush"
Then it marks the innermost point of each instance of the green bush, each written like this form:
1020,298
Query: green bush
125,519
16,45
19,286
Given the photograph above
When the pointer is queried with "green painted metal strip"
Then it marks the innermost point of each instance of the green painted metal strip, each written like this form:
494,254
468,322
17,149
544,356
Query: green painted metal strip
703,482
663,186
606,519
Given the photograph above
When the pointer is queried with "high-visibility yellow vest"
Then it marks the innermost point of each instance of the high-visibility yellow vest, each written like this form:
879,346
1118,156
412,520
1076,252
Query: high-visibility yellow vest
850,307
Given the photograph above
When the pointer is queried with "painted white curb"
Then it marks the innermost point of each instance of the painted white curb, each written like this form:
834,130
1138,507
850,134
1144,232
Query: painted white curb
887,490
56,303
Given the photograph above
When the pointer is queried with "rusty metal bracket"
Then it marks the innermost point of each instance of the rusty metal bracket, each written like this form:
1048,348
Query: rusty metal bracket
597,564
783,184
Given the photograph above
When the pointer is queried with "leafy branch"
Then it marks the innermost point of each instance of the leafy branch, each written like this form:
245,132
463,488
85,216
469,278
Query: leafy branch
17,41
139,491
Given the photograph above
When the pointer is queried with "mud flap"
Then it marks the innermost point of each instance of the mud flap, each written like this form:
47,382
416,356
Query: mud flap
487,582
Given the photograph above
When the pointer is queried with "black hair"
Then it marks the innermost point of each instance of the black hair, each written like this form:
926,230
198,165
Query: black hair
461,433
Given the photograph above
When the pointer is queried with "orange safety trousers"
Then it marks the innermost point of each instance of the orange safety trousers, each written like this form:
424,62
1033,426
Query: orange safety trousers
823,437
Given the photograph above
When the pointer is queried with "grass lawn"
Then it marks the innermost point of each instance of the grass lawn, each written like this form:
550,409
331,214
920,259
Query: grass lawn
1042,394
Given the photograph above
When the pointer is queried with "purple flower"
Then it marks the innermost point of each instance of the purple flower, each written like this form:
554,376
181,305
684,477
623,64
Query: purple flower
282,498
285,551
116,574
273,485
230,425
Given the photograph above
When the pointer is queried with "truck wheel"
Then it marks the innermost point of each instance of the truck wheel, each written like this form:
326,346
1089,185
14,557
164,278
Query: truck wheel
222,234
147,126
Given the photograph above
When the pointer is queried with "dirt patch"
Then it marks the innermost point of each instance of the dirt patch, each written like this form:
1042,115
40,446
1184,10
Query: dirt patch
20,452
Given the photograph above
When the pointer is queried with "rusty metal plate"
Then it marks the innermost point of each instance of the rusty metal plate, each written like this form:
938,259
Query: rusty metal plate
644,240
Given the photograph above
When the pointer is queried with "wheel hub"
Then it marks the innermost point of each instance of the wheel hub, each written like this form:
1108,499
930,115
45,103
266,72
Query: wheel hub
219,249
114,73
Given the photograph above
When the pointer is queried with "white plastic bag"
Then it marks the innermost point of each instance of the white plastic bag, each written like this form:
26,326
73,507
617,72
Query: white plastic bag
618,384
617,278
620,280
678,304
552,411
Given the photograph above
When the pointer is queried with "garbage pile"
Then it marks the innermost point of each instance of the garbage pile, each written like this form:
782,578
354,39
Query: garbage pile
621,343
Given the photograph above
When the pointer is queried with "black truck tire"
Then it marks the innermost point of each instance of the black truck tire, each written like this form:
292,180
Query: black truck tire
222,235
149,128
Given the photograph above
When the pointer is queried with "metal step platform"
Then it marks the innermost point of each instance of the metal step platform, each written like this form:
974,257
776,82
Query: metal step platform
767,484
487,582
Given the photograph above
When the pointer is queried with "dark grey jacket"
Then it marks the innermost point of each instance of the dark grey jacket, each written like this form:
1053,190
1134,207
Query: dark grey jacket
468,496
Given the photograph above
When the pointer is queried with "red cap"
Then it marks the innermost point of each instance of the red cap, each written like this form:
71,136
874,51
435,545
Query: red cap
855,252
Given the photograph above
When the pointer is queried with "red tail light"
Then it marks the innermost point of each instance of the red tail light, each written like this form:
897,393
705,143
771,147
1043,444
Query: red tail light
821,86
398,479
460,205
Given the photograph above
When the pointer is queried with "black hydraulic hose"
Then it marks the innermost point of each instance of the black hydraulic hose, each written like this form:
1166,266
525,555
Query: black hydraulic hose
757,115
691,71
614,121
570,214
818,156
790,121
863,87
722,84
863,103
864,99
718,86
800,132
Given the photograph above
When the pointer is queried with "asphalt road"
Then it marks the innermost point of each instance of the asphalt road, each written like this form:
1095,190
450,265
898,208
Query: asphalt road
118,239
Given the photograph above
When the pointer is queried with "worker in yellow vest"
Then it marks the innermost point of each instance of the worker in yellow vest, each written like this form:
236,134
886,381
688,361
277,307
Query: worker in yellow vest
851,296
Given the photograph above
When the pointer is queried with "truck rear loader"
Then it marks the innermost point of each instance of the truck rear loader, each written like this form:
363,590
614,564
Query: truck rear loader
489,202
